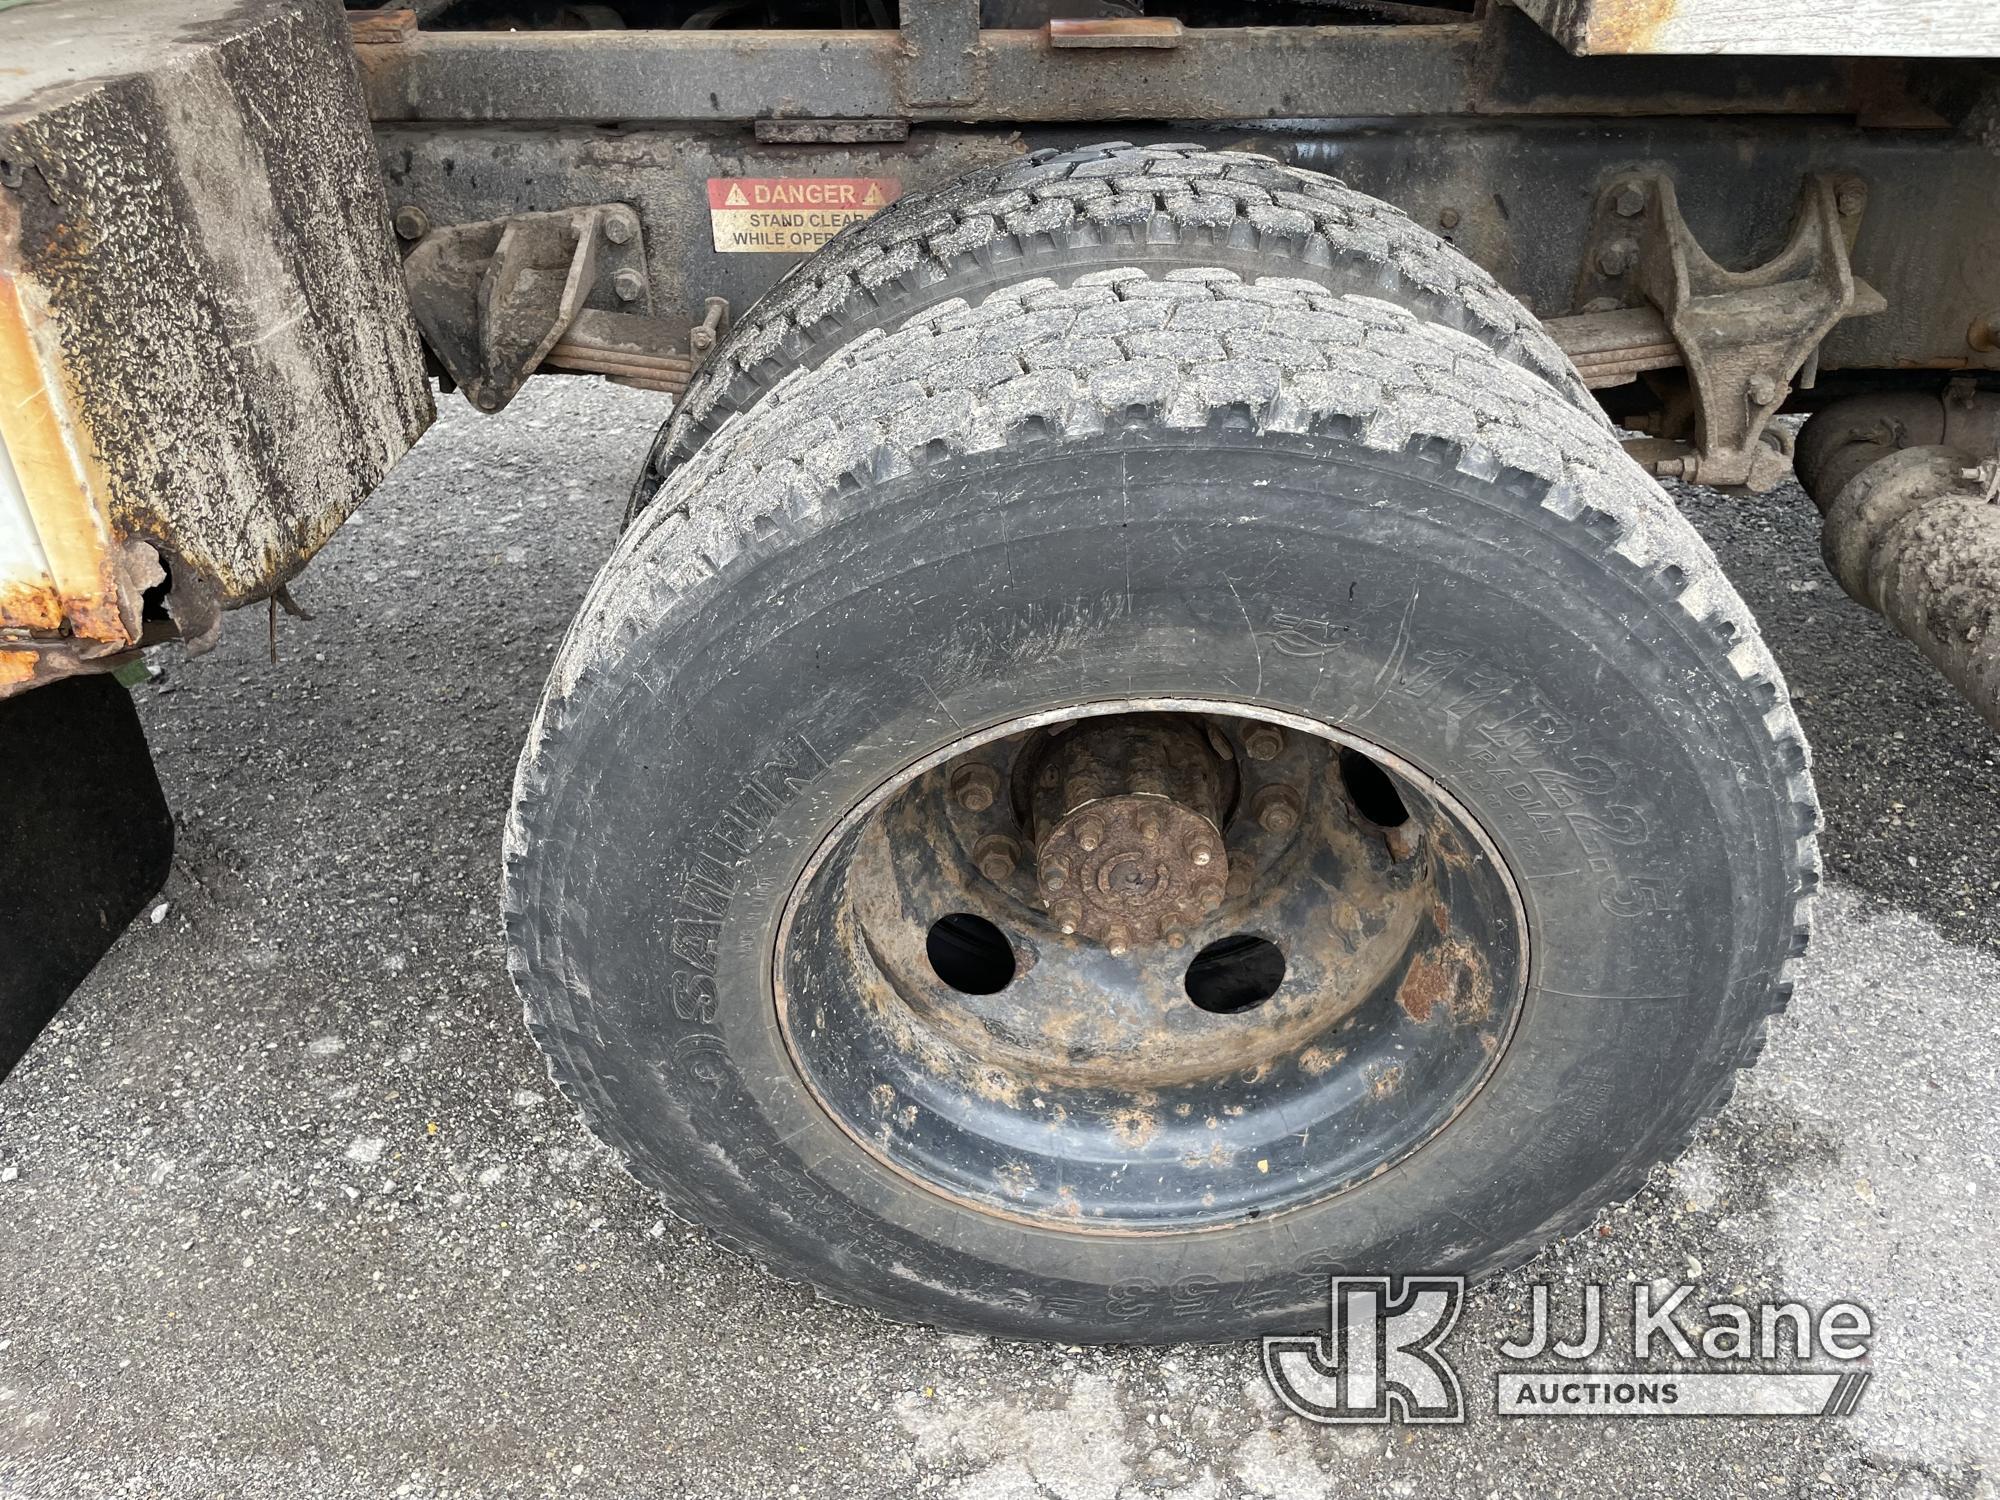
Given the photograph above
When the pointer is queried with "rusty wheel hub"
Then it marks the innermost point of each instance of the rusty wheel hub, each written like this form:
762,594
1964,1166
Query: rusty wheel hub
1150,969
1129,848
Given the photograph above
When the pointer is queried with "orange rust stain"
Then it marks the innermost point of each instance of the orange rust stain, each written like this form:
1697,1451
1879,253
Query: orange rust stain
1390,1080
82,588
30,603
17,668
1134,1126
1426,985
1625,26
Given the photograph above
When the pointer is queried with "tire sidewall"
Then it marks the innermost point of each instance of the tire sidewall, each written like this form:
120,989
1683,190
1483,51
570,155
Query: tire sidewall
1595,730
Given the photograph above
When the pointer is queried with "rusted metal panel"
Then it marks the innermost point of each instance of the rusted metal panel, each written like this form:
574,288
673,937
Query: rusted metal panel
208,354
1807,28
1518,196
933,72
1008,76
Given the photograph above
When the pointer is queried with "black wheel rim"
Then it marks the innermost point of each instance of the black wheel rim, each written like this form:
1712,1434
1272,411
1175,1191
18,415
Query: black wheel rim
1342,1001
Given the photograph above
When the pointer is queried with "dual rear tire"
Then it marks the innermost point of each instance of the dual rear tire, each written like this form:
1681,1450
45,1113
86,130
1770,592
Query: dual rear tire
1312,475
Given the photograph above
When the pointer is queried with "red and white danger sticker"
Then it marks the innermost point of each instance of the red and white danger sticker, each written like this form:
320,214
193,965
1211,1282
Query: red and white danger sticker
790,215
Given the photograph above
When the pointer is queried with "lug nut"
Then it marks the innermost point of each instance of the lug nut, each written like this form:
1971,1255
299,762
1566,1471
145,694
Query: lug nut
1263,741
975,786
1277,809
1055,877
996,855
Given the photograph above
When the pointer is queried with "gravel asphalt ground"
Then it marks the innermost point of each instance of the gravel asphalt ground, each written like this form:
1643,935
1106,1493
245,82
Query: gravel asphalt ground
289,1208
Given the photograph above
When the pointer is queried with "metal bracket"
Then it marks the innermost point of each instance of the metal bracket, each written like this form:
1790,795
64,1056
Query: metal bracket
1744,336
496,298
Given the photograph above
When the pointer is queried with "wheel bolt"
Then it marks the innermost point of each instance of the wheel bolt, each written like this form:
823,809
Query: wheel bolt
1263,741
1209,895
1277,809
1117,941
1067,912
996,855
1200,854
1089,834
975,786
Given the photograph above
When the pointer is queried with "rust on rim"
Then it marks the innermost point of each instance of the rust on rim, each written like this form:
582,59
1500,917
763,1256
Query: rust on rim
1162,971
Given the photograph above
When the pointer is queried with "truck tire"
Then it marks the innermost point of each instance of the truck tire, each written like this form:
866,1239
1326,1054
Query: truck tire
1085,813
1064,214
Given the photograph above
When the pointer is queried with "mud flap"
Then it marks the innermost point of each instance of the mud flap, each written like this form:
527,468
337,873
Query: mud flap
85,842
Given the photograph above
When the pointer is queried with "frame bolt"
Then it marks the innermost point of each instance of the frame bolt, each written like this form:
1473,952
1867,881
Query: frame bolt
1618,257
1277,809
975,786
1628,200
1263,741
1762,388
996,855
1447,218
1851,199
620,226
412,223
628,285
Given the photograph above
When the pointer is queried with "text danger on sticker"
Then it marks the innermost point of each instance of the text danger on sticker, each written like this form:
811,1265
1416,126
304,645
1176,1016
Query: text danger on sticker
790,215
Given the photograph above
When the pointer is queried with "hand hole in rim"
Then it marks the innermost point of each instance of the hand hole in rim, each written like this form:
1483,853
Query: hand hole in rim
1371,791
970,954
1235,974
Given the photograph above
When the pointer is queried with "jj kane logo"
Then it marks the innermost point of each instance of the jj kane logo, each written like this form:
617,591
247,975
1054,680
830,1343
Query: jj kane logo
1382,1357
